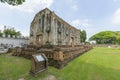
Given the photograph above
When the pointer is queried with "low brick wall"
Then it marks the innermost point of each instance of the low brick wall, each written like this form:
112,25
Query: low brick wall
57,56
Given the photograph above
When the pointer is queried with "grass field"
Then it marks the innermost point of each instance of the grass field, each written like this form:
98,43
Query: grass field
97,64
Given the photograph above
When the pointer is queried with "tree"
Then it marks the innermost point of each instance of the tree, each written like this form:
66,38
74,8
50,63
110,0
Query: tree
18,33
82,36
13,2
12,32
117,37
1,33
6,32
105,37
118,40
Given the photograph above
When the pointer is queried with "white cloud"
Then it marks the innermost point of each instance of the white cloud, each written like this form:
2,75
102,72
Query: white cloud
31,5
80,23
73,4
116,17
116,0
75,7
84,24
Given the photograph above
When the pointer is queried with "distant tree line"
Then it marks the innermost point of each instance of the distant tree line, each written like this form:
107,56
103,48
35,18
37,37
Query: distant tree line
106,37
9,32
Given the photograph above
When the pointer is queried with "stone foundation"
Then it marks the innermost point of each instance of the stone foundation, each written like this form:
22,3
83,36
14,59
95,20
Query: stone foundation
57,56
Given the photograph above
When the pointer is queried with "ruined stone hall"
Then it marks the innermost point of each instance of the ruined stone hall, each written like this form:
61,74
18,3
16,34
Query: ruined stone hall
58,40
47,28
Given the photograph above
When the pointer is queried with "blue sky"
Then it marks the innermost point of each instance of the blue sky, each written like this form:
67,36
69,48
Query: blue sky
91,15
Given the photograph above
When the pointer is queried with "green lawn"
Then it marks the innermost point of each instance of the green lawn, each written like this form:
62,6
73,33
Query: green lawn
97,64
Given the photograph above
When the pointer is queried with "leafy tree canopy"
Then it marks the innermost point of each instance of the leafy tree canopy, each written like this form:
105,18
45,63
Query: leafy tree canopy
82,36
1,33
13,2
10,32
104,37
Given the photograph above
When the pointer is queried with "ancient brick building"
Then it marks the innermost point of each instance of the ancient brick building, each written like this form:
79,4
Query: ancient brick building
47,28
51,35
